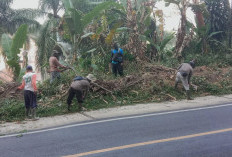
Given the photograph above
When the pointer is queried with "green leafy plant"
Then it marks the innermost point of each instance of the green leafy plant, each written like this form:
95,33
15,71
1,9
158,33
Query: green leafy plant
11,48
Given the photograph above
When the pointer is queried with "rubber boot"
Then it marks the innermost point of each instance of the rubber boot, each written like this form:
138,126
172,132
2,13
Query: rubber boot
69,107
34,114
27,112
176,83
80,106
188,95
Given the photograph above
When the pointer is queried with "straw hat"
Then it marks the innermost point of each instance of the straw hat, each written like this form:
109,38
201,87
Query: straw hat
91,77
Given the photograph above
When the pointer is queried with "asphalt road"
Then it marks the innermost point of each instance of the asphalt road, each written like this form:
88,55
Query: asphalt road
204,132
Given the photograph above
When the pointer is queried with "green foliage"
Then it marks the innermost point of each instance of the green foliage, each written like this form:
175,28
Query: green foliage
84,5
46,42
76,19
97,11
159,45
14,65
206,42
11,110
67,37
6,43
168,60
18,40
77,22
11,19
219,16
11,48
219,55
54,5
52,100
211,88
67,5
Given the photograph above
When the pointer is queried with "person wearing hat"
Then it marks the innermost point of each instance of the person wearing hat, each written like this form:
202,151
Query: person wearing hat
79,88
54,66
30,90
184,74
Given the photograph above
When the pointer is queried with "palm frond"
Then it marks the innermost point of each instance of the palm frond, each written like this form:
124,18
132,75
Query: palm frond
54,5
5,4
17,21
45,43
29,13
10,20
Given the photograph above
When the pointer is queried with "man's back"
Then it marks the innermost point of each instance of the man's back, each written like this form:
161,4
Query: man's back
30,81
54,64
185,68
80,85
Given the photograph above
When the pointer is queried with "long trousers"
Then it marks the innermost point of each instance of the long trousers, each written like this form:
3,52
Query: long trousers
30,99
117,69
72,92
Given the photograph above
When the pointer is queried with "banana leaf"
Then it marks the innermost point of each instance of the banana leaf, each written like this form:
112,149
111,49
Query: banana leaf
6,43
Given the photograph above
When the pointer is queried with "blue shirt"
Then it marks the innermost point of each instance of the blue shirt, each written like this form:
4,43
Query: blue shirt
115,51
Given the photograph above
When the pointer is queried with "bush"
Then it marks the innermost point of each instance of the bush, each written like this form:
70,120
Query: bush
11,109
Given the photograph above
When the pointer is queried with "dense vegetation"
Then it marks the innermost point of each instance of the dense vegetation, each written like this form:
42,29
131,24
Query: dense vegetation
84,36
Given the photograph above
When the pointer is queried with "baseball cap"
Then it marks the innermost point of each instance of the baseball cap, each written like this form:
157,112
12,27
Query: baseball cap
29,67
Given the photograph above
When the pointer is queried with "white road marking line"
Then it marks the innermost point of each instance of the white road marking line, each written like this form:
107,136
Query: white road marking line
116,119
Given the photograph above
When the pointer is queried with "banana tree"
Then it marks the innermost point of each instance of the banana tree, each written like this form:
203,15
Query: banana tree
160,44
11,49
181,34
138,20
204,38
78,22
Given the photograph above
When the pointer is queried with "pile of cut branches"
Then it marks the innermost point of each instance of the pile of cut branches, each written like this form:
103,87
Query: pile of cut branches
8,90
143,79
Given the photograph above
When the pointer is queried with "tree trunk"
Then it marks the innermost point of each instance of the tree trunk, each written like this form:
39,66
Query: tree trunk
230,27
199,15
181,31
200,23
135,45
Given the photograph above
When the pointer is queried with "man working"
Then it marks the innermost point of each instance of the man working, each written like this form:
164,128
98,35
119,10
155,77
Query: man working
54,64
30,90
79,88
185,72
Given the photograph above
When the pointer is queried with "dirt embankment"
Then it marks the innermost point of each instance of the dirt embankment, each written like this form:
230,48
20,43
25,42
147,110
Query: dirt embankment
149,75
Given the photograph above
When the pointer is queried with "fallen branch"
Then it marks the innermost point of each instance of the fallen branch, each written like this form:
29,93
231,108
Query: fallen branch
132,84
63,95
105,101
194,86
171,97
101,87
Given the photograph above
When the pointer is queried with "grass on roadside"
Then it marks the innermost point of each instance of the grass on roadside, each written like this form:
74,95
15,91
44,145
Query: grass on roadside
13,110
50,105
